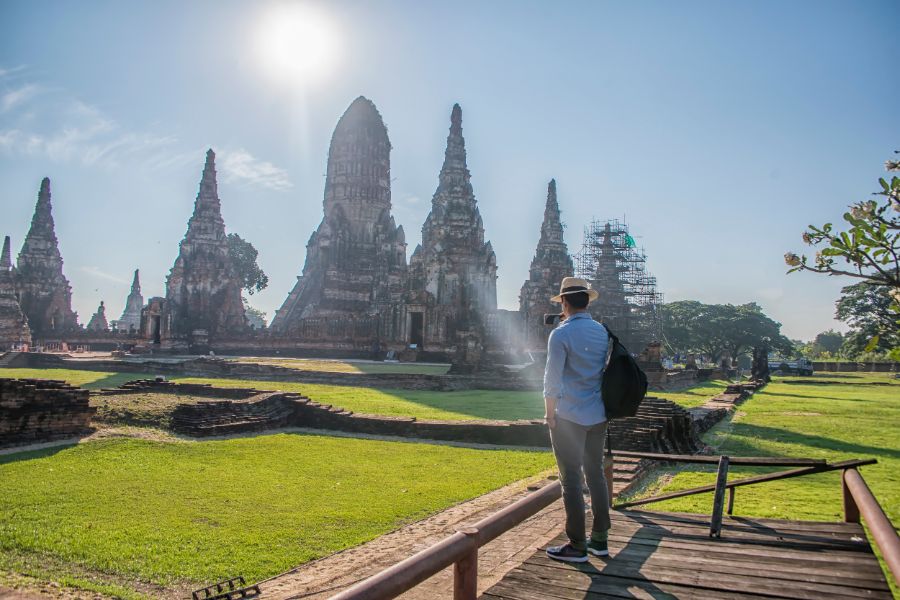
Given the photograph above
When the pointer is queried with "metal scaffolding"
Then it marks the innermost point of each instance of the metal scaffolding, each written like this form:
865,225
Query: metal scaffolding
616,267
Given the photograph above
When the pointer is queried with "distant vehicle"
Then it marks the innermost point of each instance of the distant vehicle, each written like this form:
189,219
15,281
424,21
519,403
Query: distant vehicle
792,366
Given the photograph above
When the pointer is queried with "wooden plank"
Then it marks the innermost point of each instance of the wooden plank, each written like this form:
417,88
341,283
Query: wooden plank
776,571
798,541
813,562
527,585
774,524
754,549
774,528
798,590
855,538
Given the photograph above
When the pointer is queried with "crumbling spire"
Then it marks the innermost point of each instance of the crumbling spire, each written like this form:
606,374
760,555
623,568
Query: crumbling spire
455,176
5,259
41,239
551,263
206,223
44,292
131,316
551,228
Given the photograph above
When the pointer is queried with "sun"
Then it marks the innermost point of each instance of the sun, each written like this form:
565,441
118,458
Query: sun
295,43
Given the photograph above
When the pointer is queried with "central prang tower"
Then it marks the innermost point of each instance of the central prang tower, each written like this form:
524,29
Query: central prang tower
453,273
356,259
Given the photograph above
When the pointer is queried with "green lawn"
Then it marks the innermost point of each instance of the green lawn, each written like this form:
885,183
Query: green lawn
179,513
91,380
451,406
694,395
348,366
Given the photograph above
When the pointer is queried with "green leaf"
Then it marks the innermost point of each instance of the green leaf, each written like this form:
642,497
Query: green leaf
873,343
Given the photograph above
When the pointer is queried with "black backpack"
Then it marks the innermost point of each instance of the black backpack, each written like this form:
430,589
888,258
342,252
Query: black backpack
624,383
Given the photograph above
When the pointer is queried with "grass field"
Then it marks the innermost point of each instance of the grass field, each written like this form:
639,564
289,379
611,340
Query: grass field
348,366
91,380
175,513
451,406
694,395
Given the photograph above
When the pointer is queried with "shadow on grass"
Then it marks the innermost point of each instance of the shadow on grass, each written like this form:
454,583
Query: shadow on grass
114,380
811,396
737,447
39,453
478,404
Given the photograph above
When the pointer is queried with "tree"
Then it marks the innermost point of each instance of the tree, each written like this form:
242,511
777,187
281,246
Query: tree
714,329
869,249
243,256
828,341
869,311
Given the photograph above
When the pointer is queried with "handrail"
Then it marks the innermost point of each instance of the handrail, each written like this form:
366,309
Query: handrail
460,549
859,500
756,461
810,470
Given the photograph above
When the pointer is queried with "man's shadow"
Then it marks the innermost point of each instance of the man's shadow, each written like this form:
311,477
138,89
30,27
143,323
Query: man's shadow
619,572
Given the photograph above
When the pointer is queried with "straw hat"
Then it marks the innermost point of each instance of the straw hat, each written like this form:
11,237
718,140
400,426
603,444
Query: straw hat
573,285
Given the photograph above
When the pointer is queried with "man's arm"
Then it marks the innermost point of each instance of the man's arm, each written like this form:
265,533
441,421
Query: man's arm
556,360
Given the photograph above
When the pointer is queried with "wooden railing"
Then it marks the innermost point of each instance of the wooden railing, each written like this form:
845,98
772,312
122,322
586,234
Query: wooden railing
859,500
461,548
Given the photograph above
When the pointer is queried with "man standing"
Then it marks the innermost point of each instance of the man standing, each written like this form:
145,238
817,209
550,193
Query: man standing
576,358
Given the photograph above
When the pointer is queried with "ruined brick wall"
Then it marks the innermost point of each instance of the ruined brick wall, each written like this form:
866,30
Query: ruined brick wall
33,410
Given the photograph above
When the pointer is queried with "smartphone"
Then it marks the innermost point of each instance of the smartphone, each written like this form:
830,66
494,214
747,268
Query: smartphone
552,318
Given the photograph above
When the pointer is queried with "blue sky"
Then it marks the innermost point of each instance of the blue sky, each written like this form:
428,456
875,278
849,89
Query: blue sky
719,130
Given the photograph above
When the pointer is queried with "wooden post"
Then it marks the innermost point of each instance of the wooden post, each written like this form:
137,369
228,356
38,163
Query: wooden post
731,500
715,526
465,570
851,510
608,473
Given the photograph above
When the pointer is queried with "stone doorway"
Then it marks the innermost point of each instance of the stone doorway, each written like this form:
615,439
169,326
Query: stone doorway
155,328
417,329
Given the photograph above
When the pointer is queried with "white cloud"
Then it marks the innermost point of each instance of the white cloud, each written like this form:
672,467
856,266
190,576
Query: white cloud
65,129
10,100
100,274
4,72
240,165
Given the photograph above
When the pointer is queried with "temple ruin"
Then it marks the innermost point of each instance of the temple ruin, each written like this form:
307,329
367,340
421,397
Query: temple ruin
44,292
98,320
550,265
14,330
453,273
356,295
355,270
203,291
131,317
629,300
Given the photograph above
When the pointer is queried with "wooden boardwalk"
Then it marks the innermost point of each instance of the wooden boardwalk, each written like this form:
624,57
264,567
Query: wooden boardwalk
670,555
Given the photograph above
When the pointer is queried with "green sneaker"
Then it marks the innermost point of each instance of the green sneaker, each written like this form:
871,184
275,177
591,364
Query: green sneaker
598,548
